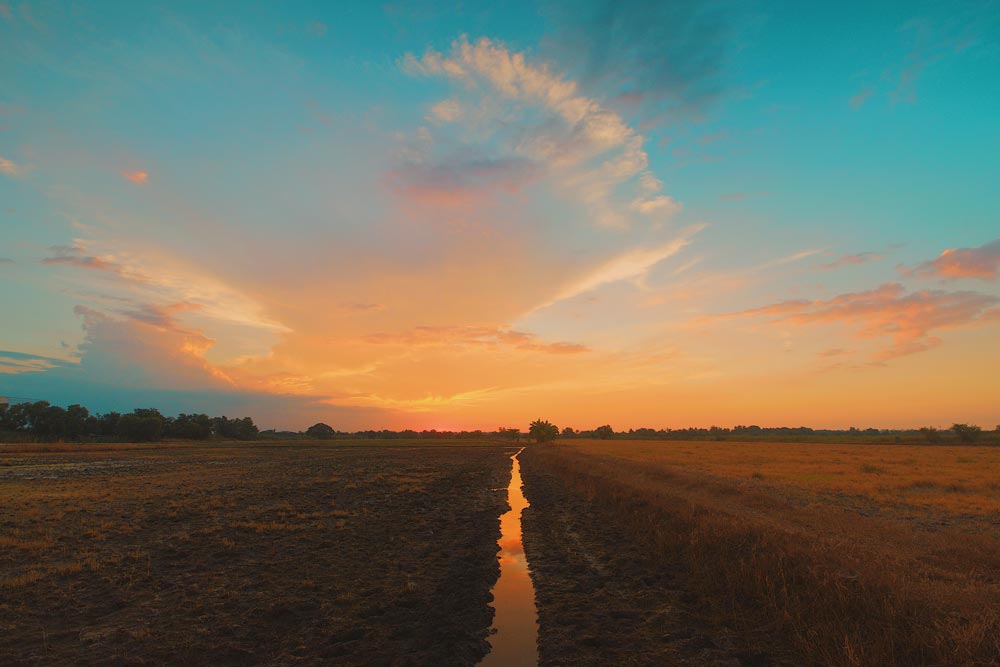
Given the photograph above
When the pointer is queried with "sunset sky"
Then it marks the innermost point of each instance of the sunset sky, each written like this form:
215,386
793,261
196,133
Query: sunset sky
466,215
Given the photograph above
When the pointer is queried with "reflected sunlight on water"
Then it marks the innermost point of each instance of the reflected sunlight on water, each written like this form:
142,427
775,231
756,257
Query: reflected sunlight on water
515,642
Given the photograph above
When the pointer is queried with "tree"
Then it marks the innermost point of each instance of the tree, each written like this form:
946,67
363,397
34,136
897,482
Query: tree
604,432
513,433
76,421
568,432
140,426
543,431
930,434
321,431
967,432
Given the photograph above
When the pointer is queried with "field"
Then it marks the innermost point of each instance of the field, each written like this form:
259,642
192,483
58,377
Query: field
366,553
774,552
234,555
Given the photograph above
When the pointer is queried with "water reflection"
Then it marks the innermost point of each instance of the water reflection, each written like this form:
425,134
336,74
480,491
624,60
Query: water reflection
516,620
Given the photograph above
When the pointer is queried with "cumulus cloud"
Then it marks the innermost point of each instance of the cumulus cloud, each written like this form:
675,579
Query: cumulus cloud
907,319
982,262
137,177
147,349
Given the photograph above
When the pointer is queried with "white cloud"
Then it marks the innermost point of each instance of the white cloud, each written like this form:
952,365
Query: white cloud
589,149
630,265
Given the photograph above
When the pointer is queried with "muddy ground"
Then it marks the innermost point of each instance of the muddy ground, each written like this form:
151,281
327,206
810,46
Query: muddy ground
248,555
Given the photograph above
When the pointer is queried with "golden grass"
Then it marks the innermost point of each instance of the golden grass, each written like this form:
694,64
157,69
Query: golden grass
796,560
956,479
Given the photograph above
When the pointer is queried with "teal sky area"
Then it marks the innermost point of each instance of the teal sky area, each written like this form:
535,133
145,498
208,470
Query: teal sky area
417,214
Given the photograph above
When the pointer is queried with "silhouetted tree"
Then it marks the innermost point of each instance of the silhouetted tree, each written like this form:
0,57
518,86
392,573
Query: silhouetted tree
967,432
513,433
604,432
320,431
930,434
543,431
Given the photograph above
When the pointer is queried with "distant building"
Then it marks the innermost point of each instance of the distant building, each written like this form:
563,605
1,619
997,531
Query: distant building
4,401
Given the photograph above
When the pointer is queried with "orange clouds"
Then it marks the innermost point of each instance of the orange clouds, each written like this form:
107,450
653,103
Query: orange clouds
888,311
8,167
137,177
982,262
852,260
475,337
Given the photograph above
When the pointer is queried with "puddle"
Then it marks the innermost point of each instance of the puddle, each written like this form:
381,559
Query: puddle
515,624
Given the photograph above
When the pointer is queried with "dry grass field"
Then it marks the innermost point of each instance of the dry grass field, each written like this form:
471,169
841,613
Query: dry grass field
962,481
277,554
788,553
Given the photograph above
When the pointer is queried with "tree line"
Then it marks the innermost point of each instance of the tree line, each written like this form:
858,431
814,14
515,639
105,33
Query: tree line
42,421
45,422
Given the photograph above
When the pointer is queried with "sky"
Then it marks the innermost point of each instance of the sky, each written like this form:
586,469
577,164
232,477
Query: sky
462,215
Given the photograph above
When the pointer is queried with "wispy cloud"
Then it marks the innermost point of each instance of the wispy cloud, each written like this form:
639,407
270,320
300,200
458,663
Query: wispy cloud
858,100
908,319
77,256
852,260
10,168
13,363
630,265
476,337
662,57
137,177
982,262
317,29
790,259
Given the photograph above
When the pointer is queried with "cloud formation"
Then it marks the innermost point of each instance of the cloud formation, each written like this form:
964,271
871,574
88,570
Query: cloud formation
908,319
10,168
589,148
982,262
137,177
76,255
475,337
630,265
663,56
854,259
12,363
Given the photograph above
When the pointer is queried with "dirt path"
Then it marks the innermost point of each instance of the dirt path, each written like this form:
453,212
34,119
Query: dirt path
601,599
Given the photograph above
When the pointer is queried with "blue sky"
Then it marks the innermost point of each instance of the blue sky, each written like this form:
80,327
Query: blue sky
434,214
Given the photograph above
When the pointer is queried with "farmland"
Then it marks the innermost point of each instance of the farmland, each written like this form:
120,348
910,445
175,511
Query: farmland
233,555
640,552
774,552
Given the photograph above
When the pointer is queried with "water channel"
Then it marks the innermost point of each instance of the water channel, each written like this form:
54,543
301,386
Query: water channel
515,624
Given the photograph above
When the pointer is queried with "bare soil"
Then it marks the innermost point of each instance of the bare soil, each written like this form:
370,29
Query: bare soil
249,555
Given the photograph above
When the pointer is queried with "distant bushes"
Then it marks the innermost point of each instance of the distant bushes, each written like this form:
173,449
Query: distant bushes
45,422
957,434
